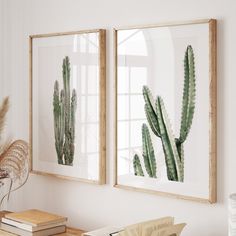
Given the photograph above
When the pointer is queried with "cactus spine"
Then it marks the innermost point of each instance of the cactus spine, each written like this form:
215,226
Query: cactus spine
64,108
158,120
148,156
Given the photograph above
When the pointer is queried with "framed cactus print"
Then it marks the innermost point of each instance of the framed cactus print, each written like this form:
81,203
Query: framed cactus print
165,112
67,110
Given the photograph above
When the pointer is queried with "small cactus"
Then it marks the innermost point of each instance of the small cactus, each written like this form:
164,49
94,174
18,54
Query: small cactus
138,170
148,156
64,108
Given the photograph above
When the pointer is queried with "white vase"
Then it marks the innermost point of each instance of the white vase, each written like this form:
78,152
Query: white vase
232,215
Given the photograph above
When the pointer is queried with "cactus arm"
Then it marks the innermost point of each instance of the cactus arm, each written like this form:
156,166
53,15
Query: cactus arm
181,150
173,162
56,112
56,109
148,152
66,77
152,120
169,159
137,166
70,105
189,92
72,124
62,122
73,110
57,126
66,83
150,111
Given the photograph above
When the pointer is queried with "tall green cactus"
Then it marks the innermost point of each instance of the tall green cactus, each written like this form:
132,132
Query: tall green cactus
148,156
64,108
159,122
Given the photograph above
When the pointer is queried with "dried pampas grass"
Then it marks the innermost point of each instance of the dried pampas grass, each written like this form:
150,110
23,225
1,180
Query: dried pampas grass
14,158
14,164
3,111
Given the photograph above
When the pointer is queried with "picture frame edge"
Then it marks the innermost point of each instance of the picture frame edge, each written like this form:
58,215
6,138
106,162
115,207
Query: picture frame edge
212,197
164,194
30,103
102,110
213,110
102,55
115,179
63,177
54,34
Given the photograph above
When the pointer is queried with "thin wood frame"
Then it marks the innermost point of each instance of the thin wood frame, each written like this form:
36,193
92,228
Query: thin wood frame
102,104
212,111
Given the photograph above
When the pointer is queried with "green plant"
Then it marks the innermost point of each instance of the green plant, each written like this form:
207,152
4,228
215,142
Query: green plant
158,120
148,156
138,170
64,108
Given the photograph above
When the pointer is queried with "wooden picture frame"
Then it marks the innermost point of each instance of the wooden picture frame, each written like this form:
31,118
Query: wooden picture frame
83,156
135,46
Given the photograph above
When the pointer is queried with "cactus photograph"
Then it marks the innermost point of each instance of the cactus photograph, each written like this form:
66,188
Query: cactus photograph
165,109
64,109
158,121
68,105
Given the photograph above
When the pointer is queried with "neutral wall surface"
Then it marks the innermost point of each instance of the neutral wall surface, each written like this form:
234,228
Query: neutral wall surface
89,206
1,44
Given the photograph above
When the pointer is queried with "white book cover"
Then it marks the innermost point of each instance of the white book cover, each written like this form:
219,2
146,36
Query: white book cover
30,227
105,231
21,232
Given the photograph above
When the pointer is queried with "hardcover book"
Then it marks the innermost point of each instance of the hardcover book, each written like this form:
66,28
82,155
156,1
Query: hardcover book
31,228
35,217
21,232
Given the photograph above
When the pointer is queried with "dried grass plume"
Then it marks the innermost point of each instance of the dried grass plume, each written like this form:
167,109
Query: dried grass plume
3,111
14,158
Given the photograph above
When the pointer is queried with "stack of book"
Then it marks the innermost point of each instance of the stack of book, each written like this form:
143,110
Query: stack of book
33,223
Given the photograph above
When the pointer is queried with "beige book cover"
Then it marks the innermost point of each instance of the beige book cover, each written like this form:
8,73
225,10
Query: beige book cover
35,217
174,230
132,230
105,231
148,227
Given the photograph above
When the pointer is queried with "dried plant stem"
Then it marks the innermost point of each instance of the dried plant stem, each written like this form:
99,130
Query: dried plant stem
3,111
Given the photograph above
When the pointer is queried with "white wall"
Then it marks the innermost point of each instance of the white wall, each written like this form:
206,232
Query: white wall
1,46
90,206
